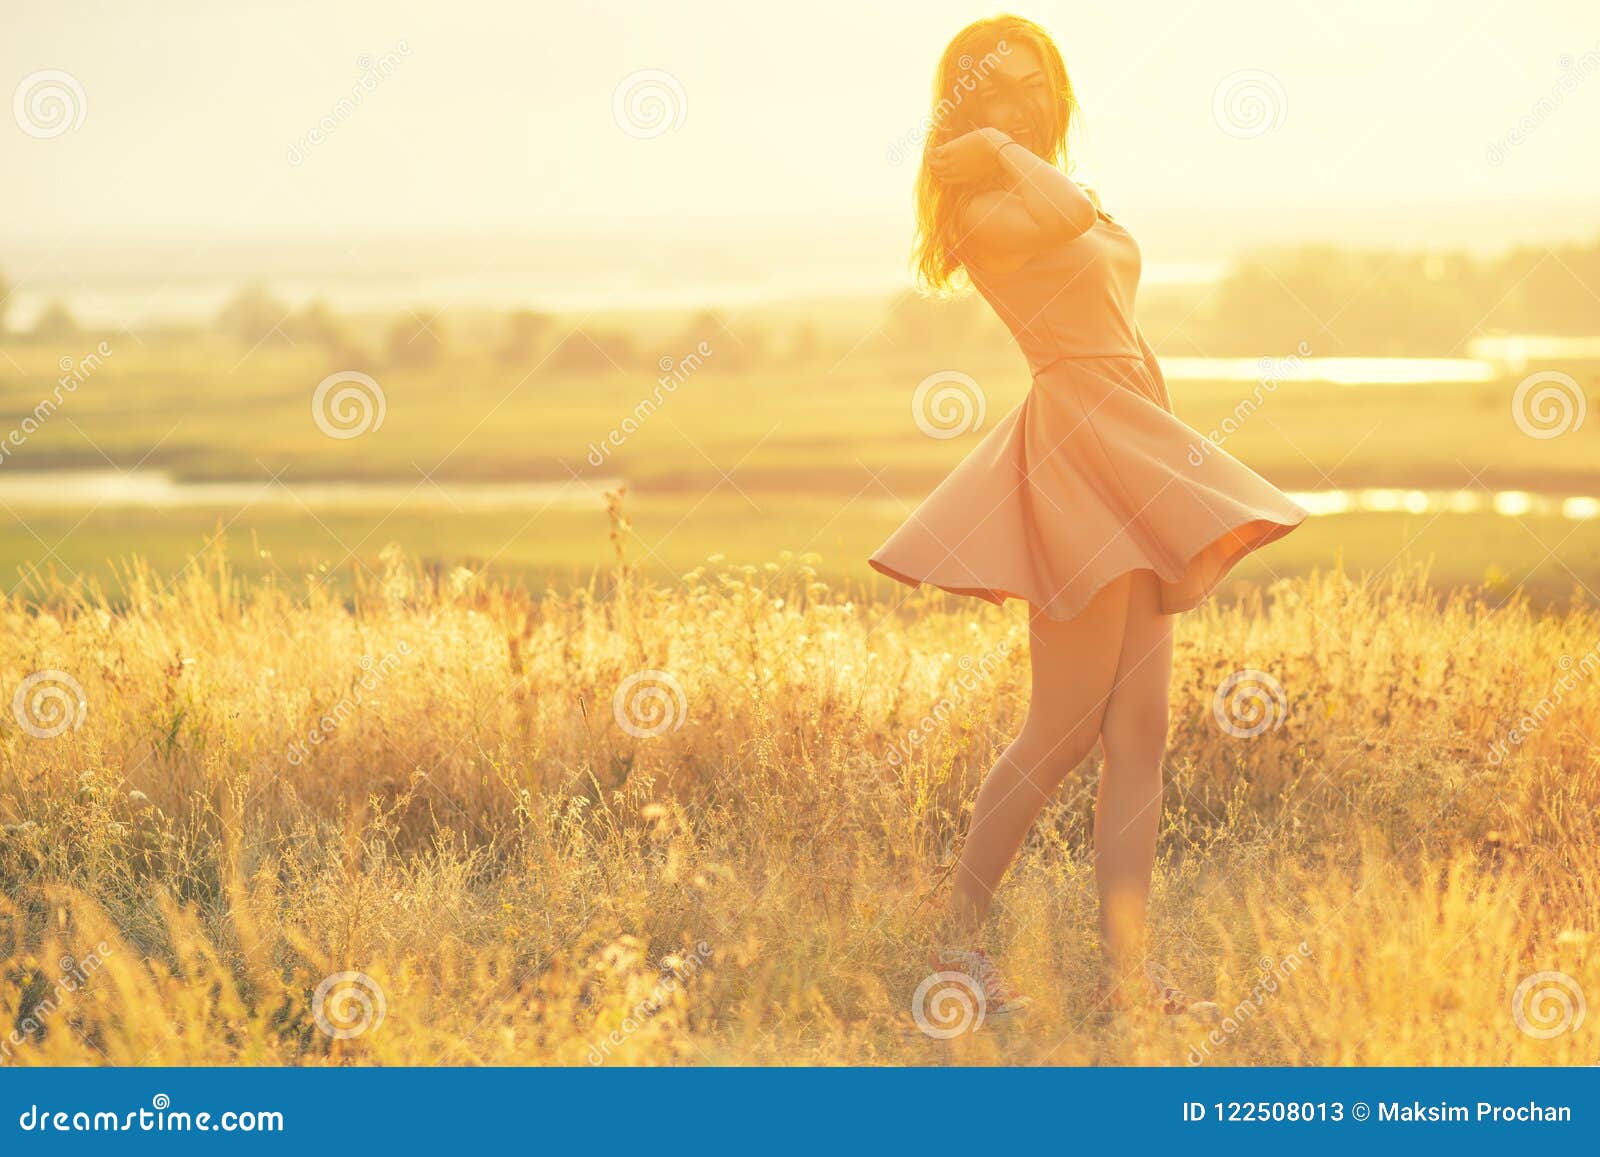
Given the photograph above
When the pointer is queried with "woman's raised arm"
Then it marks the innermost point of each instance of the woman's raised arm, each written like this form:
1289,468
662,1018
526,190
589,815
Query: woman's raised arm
1035,205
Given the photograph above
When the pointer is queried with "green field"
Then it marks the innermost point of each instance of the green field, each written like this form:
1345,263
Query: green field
747,458
1549,557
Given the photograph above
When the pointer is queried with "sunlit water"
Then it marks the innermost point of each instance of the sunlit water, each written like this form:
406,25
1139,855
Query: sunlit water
1333,371
109,489
1509,503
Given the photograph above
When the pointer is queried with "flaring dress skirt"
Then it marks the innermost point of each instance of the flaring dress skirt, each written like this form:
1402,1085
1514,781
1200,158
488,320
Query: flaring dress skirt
1092,476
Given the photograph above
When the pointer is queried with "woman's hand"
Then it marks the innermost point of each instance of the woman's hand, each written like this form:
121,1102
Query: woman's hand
969,159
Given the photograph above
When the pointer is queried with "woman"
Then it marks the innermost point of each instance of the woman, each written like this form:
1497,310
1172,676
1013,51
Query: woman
1085,501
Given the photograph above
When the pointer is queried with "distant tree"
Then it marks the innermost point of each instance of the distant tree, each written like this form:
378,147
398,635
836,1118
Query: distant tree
1551,296
948,327
526,330
585,351
416,339
805,343
316,325
733,348
1269,302
55,324
253,316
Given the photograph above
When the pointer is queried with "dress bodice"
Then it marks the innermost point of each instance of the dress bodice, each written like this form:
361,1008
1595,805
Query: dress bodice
1073,300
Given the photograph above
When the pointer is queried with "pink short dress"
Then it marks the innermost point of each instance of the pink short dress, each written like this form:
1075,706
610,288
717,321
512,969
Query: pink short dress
1092,476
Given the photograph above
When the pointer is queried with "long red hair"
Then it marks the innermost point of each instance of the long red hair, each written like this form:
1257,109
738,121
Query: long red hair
969,57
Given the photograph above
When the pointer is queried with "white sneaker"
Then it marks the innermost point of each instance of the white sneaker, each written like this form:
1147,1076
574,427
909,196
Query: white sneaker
1000,999
1173,1000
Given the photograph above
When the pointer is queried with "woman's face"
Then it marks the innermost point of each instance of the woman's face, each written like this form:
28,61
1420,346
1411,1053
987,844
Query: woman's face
1013,95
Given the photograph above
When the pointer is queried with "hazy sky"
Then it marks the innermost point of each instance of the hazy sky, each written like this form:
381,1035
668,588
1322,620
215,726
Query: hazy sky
501,113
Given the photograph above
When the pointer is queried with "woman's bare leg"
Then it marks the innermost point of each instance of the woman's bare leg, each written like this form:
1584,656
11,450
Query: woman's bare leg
1127,816
1074,664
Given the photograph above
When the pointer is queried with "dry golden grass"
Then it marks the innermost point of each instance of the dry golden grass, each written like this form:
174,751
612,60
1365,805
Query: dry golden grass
521,877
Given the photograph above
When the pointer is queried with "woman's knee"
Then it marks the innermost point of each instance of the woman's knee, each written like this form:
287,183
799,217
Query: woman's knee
1047,757
1137,737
